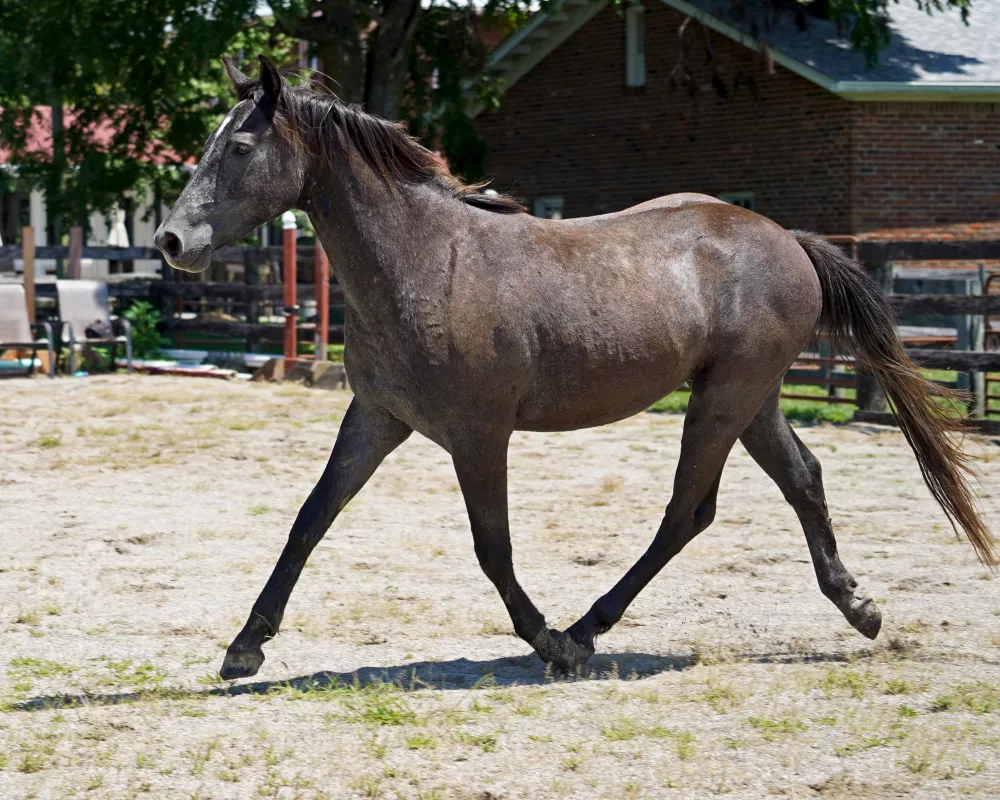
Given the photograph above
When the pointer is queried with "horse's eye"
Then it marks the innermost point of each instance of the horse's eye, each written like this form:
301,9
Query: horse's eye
242,149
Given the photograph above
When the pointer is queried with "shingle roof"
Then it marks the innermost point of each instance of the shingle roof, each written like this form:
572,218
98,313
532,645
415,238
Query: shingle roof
925,48
930,56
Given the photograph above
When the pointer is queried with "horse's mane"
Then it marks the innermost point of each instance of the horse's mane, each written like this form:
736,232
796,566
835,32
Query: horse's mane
385,146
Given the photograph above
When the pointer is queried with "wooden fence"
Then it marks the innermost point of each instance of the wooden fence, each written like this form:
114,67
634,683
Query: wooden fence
249,312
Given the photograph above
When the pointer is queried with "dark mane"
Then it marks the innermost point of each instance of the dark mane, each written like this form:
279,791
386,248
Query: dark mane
385,146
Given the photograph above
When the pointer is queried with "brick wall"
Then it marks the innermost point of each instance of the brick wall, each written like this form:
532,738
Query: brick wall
571,128
918,165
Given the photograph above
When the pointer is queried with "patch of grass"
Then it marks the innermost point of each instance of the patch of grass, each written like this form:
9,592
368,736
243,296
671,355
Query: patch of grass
854,683
487,742
380,704
144,677
674,403
684,745
38,668
420,741
621,731
771,729
491,628
31,617
800,410
722,698
47,440
979,698
258,510
903,686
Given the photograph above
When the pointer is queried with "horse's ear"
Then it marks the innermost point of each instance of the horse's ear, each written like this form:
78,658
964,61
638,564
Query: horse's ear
270,79
241,83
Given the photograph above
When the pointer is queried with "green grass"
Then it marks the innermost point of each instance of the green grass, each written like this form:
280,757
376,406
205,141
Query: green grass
798,410
809,410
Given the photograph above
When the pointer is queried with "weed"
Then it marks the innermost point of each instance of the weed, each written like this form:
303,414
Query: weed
31,762
850,681
621,731
771,729
684,745
722,698
258,510
47,440
485,742
612,483
420,741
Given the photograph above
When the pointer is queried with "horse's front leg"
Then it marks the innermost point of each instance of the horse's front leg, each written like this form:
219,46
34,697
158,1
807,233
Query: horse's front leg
367,435
481,466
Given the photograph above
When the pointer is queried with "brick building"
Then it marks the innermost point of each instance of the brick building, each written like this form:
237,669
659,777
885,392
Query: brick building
603,110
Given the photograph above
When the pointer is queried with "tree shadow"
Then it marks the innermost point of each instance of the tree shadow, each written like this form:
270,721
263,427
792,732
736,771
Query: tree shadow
457,674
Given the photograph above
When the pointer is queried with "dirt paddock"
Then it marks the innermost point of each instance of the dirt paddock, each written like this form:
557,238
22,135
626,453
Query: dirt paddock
140,517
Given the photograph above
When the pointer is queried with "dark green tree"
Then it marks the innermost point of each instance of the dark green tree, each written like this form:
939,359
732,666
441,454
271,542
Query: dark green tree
127,83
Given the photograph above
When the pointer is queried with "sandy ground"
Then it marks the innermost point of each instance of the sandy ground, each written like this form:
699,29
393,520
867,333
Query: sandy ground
139,518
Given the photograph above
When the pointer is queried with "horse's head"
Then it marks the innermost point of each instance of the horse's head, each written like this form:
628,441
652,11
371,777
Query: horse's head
248,175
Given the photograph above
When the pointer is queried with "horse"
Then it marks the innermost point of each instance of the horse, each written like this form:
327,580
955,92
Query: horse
468,319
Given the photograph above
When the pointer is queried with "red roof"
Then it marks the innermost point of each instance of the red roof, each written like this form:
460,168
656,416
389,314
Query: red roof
40,137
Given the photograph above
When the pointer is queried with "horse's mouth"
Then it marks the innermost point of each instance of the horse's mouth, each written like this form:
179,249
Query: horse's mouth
200,263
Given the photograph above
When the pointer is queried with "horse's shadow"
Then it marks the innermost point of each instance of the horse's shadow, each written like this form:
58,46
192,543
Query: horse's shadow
457,674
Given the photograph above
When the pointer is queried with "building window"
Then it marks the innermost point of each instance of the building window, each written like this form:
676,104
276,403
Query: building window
741,199
549,207
635,46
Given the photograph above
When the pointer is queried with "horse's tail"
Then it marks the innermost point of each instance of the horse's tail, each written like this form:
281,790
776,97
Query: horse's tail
856,313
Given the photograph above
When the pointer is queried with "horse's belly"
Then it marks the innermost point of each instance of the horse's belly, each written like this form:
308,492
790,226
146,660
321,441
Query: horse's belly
564,402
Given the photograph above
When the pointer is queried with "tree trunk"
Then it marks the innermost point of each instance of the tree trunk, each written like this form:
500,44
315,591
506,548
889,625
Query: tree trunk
388,54
341,59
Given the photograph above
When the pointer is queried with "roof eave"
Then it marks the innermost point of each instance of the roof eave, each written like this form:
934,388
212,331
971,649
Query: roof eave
917,91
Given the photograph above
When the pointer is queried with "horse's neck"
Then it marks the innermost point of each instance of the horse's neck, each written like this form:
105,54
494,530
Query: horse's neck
376,239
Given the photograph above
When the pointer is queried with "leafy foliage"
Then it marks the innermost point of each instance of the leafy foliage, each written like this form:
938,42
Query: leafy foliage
140,82
146,339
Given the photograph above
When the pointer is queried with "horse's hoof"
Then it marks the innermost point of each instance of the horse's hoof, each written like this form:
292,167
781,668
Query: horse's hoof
241,663
560,651
864,615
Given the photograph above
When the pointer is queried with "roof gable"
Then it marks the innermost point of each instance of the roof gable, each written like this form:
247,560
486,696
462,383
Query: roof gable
930,57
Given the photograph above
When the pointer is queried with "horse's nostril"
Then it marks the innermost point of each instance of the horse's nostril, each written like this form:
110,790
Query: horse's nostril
171,245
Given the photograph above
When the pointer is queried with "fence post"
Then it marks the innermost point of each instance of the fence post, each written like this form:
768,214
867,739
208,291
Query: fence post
322,280
251,278
28,258
288,231
870,395
977,336
74,270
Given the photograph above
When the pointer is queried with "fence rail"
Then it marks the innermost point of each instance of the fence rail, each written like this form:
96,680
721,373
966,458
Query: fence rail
250,298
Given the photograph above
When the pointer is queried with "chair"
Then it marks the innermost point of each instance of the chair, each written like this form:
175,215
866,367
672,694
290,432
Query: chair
15,327
84,305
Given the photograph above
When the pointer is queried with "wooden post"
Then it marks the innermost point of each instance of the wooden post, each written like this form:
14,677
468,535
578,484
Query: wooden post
870,394
250,278
288,230
28,257
977,336
322,302
74,270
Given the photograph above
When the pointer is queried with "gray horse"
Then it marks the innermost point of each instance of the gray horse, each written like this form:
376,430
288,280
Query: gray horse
468,319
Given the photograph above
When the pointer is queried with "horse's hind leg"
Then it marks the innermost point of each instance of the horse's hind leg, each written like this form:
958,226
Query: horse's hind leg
367,435
772,443
722,404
